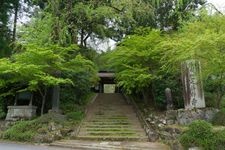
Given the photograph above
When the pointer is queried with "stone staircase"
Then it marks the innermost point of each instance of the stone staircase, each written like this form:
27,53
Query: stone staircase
111,118
110,124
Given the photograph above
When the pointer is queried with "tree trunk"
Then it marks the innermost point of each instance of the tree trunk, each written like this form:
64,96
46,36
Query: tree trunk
148,96
82,37
72,29
16,8
31,100
85,40
43,101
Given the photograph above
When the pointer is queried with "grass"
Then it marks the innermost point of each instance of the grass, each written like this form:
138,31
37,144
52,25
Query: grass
26,131
21,131
75,116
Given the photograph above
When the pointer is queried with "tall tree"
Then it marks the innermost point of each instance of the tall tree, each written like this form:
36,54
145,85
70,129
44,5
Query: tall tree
202,40
171,13
5,8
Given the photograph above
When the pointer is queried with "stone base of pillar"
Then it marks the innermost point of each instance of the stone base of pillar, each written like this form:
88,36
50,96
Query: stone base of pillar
185,117
58,111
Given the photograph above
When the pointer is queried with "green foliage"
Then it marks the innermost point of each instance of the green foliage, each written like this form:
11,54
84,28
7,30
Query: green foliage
138,67
20,132
199,134
5,8
219,118
50,117
40,28
74,104
201,40
75,116
2,113
38,66
220,140
172,81
26,131
135,61
33,68
172,14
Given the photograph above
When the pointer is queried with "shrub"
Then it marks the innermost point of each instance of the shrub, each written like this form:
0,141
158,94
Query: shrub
219,118
75,116
199,134
51,117
21,131
2,113
220,140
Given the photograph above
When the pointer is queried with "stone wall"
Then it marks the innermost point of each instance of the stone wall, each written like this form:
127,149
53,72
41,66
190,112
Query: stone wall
185,117
20,112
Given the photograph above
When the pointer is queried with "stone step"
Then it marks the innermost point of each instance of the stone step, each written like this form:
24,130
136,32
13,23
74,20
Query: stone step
110,118
112,133
104,115
113,129
113,138
111,126
106,145
109,121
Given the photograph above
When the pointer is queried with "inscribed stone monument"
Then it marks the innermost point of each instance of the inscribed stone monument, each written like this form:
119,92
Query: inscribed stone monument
169,100
192,85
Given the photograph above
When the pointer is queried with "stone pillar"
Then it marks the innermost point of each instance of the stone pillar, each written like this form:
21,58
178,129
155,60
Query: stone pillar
169,100
192,85
56,94
56,98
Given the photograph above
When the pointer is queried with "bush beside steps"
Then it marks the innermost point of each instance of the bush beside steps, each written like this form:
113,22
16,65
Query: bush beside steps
45,129
201,134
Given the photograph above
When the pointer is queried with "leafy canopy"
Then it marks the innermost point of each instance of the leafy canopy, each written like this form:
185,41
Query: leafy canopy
136,61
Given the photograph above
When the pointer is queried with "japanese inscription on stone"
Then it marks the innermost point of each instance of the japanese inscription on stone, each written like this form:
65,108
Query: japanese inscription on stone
192,85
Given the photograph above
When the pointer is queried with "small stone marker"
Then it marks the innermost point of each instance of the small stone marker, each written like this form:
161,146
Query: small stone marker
192,85
169,100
